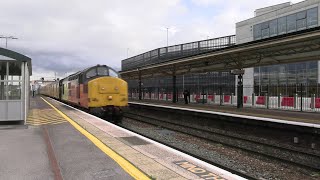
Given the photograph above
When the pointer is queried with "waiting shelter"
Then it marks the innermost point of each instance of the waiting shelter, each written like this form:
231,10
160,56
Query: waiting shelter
15,72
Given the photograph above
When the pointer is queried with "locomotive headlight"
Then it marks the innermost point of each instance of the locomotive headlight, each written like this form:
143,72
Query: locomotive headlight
109,97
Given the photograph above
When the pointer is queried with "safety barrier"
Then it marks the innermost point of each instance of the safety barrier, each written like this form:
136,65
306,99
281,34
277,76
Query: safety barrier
287,101
261,100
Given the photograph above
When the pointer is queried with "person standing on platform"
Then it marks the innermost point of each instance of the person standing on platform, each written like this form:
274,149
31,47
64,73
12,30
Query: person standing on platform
186,94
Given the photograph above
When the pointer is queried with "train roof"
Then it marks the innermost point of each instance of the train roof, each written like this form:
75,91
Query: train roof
74,75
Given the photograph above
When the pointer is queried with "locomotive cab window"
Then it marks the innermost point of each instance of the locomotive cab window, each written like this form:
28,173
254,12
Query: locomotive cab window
91,73
113,73
102,71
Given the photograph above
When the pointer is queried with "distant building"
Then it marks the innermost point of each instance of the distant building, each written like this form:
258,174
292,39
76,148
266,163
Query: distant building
278,20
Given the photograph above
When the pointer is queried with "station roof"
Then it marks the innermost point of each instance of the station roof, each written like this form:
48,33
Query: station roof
12,55
288,48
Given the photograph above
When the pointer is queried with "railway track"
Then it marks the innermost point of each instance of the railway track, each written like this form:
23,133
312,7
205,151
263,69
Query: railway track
239,173
290,155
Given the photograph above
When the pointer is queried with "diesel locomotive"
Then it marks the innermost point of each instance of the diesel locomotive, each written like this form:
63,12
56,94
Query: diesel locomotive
97,89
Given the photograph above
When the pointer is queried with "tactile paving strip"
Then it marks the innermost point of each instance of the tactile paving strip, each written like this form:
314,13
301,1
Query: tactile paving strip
39,117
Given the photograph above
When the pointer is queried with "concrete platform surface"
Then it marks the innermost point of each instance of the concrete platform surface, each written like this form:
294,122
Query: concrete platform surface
25,153
154,159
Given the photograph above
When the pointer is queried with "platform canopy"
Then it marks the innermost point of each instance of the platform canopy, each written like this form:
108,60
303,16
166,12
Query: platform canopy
289,48
6,54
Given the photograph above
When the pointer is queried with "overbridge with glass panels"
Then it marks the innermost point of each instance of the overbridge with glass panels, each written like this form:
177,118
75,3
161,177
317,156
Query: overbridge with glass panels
15,71
288,48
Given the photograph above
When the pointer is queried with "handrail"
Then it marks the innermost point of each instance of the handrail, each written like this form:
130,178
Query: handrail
164,54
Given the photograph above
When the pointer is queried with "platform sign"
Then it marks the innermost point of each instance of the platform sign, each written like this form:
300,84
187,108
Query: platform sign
237,71
198,171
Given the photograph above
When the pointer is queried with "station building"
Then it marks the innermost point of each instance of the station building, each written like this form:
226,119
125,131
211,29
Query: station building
277,20
267,22
15,72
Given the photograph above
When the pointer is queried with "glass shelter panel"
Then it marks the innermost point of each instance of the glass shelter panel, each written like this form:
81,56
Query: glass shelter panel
3,70
14,71
14,90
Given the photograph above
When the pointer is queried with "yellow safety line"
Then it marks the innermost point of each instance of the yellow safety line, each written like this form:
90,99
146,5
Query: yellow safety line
126,165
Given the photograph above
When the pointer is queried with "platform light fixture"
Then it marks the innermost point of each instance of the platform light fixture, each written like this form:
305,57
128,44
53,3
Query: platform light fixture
7,37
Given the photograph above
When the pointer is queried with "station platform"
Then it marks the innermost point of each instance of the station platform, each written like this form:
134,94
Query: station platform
281,116
61,142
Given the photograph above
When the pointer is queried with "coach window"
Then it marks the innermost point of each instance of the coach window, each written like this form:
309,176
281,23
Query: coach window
291,23
282,25
312,17
91,73
301,20
273,26
257,32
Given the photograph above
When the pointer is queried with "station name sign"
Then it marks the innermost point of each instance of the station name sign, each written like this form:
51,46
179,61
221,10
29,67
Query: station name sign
237,71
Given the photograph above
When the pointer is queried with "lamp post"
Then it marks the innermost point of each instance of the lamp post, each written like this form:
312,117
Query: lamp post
167,36
127,53
7,37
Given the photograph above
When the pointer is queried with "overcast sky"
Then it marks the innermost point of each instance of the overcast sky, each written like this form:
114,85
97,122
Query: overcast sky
67,35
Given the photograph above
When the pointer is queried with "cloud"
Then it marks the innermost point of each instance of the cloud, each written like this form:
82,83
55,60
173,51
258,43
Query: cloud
63,36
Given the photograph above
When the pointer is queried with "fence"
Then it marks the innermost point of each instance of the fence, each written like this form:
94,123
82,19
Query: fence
284,97
176,51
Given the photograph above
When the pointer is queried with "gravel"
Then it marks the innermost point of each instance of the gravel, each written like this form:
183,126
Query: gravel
254,165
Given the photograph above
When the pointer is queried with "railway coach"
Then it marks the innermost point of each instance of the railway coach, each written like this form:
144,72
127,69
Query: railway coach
98,89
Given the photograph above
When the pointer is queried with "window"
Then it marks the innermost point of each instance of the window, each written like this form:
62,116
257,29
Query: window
282,25
14,90
3,86
91,73
291,23
265,30
257,32
312,17
273,26
301,20
102,71
3,70
113,73
10,80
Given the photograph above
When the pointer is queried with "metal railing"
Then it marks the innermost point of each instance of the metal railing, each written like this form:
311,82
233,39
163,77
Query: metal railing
298,97
164,54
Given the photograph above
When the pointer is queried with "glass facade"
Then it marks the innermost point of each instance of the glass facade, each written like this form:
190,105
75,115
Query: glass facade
10,80
296,73
287,24
208,83
286,74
